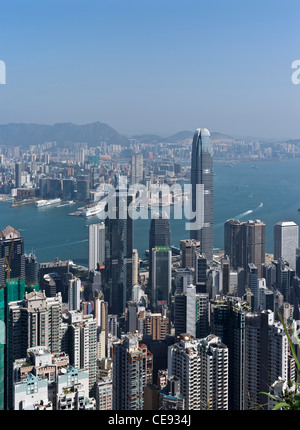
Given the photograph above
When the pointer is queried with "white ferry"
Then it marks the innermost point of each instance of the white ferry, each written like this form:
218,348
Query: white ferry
41,203
93,210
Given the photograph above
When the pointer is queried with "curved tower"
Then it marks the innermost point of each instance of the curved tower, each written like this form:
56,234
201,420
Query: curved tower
202,173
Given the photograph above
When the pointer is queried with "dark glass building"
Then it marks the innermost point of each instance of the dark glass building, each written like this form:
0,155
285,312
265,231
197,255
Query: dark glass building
159,235
119,247
202,173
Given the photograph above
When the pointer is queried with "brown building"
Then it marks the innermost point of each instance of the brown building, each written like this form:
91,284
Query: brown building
156,325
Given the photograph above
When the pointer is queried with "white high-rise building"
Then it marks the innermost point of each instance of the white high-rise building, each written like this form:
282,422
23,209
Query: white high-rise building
83,345
137,168
135,267
202,367
96,245
214,358
74,290
286,240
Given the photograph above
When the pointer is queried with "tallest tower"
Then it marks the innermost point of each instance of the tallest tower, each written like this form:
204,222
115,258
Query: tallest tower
202,173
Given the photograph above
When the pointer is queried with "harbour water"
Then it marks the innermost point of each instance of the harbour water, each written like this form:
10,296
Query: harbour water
238,191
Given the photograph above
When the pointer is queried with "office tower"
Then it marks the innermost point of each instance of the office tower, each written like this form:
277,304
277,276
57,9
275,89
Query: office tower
31,270
135,267
50,188
244,243
202,174
200,272
268,301
68,188
32,321
104,394
113,325
19,167
269,273
284,278
188,247
253,285
241,281
170,398
278,351
83,190
191,313
12,258
101,316
119,242
159,235
256,353
254,244
136,293
261,287
161,276
182,278
228,322
214,281
214,356
74,293
137,170
286,241
225,268
83,345
96,245
130,368
131,317
233,242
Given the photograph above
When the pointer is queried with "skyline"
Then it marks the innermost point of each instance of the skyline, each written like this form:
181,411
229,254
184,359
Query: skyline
139,66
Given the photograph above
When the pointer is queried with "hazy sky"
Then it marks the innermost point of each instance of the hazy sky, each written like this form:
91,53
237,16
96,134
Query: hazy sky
158,66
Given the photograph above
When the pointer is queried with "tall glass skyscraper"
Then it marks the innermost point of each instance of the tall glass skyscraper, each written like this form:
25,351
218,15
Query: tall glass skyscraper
202,174
159,235
119,248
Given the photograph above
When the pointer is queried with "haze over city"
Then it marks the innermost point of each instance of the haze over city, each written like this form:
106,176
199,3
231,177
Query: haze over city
153,66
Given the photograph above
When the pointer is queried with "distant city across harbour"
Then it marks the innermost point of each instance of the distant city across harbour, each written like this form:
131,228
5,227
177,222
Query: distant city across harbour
270,192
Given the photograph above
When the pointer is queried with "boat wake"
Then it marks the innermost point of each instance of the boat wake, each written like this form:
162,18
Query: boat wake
249,211
244,214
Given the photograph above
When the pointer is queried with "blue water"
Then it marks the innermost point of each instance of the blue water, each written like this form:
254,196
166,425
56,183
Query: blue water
49,232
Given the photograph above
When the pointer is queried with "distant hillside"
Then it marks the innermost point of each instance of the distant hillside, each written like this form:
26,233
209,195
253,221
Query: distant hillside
179,137
35,134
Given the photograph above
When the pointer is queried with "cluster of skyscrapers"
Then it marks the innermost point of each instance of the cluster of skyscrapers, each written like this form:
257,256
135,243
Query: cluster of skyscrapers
189,328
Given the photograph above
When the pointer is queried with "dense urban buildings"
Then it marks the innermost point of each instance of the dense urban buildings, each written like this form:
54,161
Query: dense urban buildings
180,326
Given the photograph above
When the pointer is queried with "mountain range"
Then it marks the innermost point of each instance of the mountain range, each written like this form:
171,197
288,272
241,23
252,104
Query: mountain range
19,134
